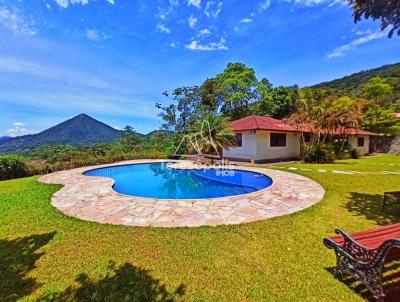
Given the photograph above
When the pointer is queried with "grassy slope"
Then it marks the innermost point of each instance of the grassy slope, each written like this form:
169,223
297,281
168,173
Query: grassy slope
278,259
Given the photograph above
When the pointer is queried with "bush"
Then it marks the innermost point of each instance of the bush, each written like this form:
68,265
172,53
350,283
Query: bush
319,154
13,166
51,158
354,153
342,151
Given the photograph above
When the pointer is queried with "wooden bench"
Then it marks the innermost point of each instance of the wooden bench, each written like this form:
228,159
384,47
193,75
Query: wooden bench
390,195
363,255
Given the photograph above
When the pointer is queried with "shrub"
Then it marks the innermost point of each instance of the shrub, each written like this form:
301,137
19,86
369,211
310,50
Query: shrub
13,166
321,154
354,153
342,151
47,159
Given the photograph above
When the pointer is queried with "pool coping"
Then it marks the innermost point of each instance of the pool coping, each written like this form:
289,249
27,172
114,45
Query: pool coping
93,198
177,161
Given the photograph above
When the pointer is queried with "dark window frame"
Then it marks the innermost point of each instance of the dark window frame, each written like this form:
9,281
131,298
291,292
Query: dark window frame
307,138
360,141
239,139
278,140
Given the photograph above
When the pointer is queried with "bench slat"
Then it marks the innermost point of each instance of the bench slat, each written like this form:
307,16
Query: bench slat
373,238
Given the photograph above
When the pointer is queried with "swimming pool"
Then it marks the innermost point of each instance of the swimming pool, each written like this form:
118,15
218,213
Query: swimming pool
159,180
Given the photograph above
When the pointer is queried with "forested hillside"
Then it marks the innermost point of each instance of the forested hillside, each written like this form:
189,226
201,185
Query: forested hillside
351,84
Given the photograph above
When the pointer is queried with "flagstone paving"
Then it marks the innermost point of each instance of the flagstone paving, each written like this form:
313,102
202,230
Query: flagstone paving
344,172
93,199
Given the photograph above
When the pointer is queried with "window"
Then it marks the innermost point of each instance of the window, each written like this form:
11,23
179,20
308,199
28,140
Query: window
360,142
278,140
307,138
238,137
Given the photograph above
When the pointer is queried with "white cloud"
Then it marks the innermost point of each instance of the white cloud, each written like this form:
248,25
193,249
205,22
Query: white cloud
362,32
66,3
344,49
265,5
163,28
192,21
196,3
204,32
195,45
174,3
62,3
17,129
173,45
307,2
163,13
338,2
94,35
246,20
213,9
14,21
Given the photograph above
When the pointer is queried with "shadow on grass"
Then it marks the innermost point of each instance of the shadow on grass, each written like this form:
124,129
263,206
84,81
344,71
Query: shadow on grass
123,283
391,283
370,206
17,259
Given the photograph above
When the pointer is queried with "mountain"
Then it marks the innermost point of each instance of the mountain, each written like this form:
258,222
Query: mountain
5,138
351,84
77,131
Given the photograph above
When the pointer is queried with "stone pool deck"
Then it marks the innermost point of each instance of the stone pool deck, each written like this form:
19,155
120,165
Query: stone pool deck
93,199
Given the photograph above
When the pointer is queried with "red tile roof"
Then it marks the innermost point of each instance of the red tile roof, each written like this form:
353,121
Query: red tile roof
351,131
256,122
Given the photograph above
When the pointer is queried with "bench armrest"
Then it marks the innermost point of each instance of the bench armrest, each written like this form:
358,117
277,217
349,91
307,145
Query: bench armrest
351,247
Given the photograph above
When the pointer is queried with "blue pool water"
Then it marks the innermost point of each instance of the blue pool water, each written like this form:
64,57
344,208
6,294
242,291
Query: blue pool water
158,180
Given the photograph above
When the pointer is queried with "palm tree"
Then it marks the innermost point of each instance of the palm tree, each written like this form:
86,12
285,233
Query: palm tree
325,116
212,134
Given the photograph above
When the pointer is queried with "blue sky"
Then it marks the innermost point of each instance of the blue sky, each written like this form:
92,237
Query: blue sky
112,59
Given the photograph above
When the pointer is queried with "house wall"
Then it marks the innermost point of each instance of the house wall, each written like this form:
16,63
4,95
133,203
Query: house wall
257,147
265,151
248,150
353,141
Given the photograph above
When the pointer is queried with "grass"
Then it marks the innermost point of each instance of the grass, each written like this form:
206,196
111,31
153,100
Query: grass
49,257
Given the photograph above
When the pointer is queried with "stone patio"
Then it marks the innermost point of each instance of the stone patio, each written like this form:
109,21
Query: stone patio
93,199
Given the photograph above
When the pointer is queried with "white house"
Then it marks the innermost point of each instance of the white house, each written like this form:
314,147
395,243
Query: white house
263,139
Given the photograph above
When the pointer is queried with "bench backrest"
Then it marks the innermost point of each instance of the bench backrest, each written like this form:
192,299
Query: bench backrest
373,238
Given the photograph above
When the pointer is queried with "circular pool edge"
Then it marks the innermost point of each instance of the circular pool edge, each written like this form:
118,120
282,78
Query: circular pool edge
188,199
93,199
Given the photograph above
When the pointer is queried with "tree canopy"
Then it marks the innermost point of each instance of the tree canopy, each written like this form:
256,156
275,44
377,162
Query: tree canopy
234,93
388,11
326,111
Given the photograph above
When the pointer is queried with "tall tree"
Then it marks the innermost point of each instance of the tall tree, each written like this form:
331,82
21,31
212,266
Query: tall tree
278,102
388,11
379,117
323,115
284,100
238,85
184,110
130,138
376,89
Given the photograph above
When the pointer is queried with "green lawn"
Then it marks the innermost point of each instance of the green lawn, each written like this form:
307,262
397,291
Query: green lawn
47,256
